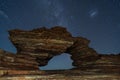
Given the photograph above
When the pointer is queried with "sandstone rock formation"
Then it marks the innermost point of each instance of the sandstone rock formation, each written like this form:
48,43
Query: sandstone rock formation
11,61
55,75
43,44
36,47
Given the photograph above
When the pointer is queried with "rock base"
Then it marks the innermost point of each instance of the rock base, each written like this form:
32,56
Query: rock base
57,75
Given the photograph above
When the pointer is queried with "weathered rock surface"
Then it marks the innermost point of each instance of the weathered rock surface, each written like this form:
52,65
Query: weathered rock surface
12,61
81,52
56,75
43,44
105,64
36,47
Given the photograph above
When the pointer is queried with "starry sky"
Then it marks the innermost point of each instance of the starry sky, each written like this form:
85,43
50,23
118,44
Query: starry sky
97,20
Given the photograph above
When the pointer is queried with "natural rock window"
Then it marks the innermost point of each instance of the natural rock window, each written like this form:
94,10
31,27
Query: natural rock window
58,62
38,46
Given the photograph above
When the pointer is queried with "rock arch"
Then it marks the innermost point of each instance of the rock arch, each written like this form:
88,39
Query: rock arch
59,62
43,44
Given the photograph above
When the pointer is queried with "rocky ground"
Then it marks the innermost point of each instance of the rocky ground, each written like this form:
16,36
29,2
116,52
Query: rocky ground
57,75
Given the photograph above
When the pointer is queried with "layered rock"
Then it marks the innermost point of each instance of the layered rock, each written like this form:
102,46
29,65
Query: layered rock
41,43
21,62
44,43
107,64
56,75
81,52
36,47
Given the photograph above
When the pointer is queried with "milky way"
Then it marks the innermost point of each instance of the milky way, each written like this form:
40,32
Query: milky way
55,10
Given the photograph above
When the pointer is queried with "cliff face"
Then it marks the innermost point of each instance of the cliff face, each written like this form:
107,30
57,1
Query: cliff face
43,44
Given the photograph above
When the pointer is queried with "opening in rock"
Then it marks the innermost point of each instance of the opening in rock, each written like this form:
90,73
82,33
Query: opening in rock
6,44
59,62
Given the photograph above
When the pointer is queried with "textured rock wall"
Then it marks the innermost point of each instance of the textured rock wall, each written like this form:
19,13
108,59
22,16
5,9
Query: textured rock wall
11,61
81,52
43,44
56,75
62,77
36,47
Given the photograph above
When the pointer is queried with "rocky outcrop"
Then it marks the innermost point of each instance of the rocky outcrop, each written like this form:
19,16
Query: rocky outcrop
81,52
36,47
56,75
43,44
107,64
18,62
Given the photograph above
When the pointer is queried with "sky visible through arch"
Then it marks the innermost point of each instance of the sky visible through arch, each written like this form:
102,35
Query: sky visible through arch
97,20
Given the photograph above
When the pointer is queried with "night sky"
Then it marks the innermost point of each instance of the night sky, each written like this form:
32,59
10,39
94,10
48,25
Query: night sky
97,20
